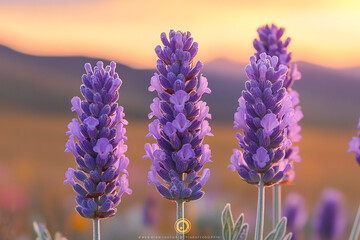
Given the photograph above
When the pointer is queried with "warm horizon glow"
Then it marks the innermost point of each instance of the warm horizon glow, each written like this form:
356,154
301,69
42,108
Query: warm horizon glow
326,33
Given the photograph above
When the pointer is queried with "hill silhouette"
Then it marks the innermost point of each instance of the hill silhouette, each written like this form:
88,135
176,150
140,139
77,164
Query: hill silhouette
45,84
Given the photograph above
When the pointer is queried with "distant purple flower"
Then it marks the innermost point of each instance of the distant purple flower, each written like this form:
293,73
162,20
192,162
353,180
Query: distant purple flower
264,116
295,211
354,145
150,212
270,42
293,134
329,221
180,120
97,141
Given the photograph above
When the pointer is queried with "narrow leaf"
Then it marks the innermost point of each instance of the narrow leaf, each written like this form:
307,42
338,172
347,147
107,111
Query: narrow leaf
280,229
271,235
226,231
227,217
41,231
242,235
238,226
288,236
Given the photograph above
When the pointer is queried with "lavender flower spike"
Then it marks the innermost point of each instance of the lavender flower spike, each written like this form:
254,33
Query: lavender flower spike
329,222
271,43
180,121
97,142
264,115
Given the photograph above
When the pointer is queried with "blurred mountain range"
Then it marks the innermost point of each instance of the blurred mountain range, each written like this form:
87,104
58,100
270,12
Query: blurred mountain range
46,85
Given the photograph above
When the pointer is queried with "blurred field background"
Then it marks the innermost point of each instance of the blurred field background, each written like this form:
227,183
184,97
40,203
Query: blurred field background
33,165
41,65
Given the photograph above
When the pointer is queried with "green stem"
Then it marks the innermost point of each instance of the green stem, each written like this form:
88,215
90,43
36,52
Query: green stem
276,204
96,224
180,214
260,211
356,228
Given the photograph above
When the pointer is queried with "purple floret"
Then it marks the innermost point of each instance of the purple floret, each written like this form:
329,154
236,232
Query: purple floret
97,141
180,120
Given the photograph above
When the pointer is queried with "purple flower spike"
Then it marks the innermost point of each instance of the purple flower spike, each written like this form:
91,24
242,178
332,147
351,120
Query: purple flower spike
295,211
354,145
270,42
180,121
97,141
264,115
329,222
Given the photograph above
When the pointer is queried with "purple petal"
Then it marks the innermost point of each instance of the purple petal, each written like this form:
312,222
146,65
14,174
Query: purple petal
103,147
69,177
76,105
261,157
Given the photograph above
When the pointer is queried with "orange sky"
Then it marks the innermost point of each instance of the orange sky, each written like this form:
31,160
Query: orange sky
325,32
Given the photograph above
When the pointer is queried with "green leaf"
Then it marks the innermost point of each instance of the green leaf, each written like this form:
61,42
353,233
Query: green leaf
280,229
226,231
238,226
288,236
242,235
41,231
59,236
227,221
271,235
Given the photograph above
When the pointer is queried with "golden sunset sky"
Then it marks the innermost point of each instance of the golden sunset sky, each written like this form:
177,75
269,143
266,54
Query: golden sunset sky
323,32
